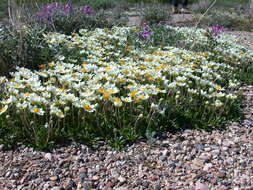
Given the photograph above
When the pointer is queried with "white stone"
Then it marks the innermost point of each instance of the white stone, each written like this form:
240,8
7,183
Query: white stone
48,156
207,167
200,186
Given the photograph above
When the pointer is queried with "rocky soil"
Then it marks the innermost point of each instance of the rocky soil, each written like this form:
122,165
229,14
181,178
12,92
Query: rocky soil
190,159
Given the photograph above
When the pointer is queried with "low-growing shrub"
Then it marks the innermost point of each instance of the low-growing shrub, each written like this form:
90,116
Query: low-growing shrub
67,18
101,85
229,19
23,47
3,9
155,14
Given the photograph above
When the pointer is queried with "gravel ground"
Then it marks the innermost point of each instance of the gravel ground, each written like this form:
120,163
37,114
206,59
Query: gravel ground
191,159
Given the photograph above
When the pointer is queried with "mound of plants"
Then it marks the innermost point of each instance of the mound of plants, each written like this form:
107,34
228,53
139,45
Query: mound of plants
67,17
21,38
231,19
22,46
155,13
123,84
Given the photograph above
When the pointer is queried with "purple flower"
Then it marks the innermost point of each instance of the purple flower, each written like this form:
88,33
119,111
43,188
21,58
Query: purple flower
67,8
145,34
51,7
87,10
146,31
47,11
216,30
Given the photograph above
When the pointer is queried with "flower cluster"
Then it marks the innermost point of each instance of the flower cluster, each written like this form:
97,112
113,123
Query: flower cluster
106,74
216,30
87,10
146,31
49,10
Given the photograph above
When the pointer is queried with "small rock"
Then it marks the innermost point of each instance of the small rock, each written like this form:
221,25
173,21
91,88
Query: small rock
48,156
199,146
166,142
57,171
53,178
157,186
8,174
205,157
145,184
121,188
86,187
56,188
83,176
163,158
20,187
95,178
1,147
223,188
153,178
62,162
122,179
109,184
32,176
207,167
200,186
165,152
221,174
198,162
70,185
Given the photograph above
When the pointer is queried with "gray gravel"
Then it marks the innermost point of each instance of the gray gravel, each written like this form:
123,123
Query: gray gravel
192,159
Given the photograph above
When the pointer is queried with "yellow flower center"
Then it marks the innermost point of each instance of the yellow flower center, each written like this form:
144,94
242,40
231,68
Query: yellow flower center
84,70
36,110
217,87
27,94
106,96
51,64
87,107
116,99
133,93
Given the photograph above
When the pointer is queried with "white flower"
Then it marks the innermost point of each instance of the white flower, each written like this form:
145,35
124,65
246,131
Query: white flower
37,110
218,103
3,109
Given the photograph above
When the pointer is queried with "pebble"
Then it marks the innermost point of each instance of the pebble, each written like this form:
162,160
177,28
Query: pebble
48,156
122,179
83,176
86,187
95,178
157,186
53,178
57,188
121,188
207,167
221,174
200,186
8,174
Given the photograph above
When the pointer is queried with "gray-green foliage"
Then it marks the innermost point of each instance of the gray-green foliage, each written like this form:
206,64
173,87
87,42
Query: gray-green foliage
155,14
23,47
